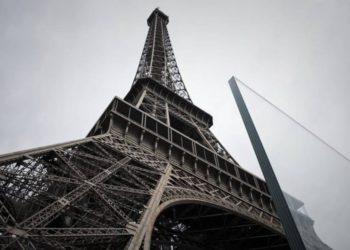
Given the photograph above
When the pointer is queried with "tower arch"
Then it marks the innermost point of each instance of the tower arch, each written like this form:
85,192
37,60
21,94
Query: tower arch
193,223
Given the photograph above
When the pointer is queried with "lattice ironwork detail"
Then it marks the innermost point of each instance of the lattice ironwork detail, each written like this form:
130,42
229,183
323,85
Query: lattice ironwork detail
73,196
158,59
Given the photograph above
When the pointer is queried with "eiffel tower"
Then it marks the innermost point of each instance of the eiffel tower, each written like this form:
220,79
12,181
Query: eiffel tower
149,175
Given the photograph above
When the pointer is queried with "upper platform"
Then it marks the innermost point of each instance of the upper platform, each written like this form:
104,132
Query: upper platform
170,97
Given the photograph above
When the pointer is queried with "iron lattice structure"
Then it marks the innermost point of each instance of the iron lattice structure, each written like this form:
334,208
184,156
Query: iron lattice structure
149,175
158,59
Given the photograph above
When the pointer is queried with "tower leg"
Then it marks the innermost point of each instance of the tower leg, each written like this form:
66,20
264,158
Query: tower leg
136,241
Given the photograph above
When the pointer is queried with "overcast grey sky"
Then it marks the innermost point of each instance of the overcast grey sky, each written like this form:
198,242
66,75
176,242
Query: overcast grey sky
61,62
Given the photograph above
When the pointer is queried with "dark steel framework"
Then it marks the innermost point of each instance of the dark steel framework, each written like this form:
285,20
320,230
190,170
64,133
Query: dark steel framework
149,175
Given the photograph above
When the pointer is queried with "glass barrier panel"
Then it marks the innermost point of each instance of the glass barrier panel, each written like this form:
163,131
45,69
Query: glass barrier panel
314,177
